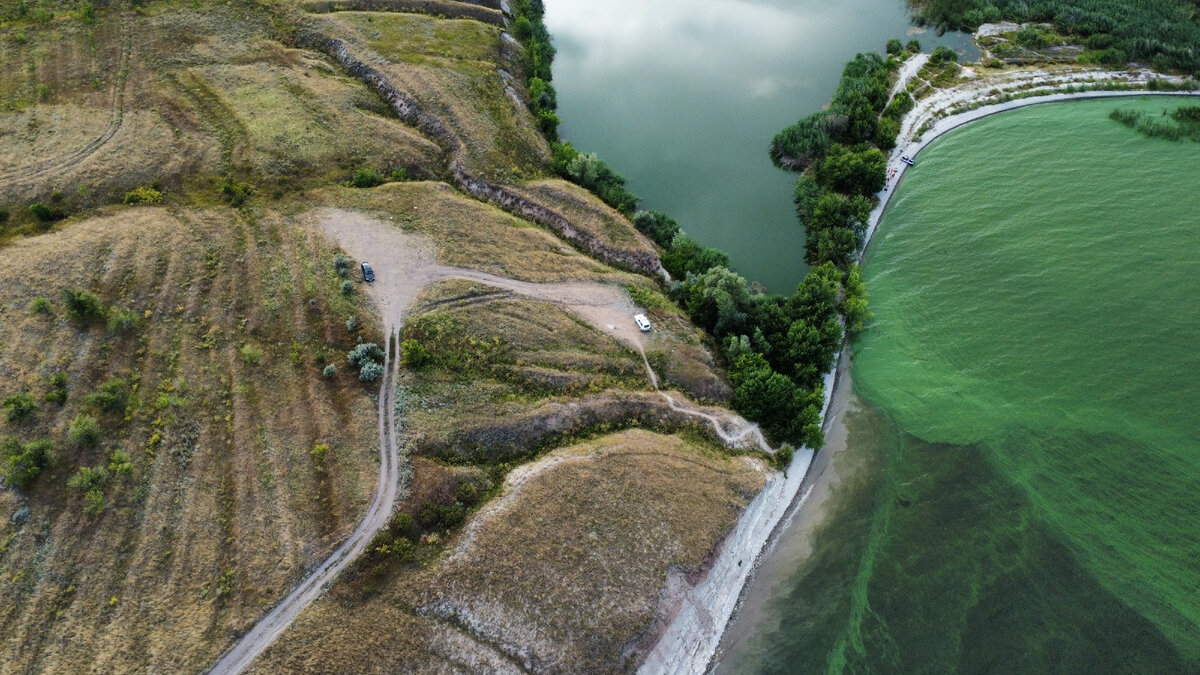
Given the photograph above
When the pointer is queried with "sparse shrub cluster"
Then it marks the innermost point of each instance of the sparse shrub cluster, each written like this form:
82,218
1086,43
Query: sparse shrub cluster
82,305
39,305
251,354
235,192
143,195
84,429
45,214
366,178
112,396
21,463
19,407
413,354
90,480
366,357
122,320
341,264
58,389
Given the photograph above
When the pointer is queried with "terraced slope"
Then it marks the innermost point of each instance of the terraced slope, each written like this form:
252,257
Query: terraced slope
224,465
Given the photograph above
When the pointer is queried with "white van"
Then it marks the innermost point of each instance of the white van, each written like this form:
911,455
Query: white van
642,322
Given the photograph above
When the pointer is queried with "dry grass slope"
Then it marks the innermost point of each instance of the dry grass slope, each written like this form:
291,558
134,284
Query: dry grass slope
222,505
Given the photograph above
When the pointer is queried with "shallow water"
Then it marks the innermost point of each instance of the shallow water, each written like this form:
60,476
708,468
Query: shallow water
1035,377
682,97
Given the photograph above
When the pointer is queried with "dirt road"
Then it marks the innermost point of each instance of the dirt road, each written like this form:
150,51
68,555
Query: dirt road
404,264
377,516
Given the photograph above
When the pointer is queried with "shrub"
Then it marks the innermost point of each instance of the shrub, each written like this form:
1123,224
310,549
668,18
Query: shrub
39,305
82,305
88,478
913,46
122,320
894,46
251,355
366,178
44,213
329,371
120,463
234,192
370,372
352,324
365,353
84,429
347,287
90,481
319,452
413,353
111,397
3,216
943,54
341,264
143,195
19,407
58,393
20,464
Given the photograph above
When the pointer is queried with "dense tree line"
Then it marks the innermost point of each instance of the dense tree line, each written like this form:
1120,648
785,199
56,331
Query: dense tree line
1165,33
840,154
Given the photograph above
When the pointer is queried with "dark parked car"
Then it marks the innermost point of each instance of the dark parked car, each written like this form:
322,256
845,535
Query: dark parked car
368,273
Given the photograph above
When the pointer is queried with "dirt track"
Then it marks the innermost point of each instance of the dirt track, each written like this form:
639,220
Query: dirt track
404,264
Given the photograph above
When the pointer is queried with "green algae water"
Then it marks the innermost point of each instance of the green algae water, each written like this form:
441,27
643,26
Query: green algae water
1033,375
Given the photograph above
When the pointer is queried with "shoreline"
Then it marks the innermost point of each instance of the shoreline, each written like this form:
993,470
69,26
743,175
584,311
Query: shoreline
691,641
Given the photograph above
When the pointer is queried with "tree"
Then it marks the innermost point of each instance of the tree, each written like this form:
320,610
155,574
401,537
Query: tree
688,257
660,227
854,172
805,195
718,300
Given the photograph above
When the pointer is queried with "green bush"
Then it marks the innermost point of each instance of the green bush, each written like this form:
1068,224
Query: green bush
329,371
366,178
235,192
111,397
44,213
370,372
913,46
58,391
90,481
942,54
341,264
39,305
894,46
347,287
413,354
120,463
251,355
143,195
84,429
20,464
364,353
122,320
19,407
82,306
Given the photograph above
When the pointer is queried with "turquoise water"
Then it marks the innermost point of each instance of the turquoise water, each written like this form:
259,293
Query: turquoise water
1033,371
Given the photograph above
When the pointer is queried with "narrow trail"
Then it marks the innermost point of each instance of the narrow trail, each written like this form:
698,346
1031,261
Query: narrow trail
270,627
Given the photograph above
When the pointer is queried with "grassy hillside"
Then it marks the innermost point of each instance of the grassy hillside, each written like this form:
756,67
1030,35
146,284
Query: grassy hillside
203,378
180,452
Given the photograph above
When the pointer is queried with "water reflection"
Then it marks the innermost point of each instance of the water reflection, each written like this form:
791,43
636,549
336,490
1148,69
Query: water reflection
682,97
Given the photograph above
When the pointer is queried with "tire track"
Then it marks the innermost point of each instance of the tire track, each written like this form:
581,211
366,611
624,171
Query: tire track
116,119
